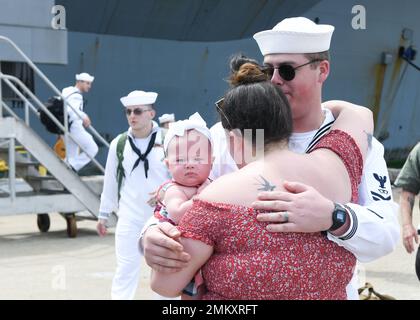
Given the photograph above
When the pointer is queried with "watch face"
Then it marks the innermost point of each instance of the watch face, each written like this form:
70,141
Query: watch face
341,216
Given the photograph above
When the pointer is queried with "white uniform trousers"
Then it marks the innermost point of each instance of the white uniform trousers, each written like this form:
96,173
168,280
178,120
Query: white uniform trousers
128,256
85,140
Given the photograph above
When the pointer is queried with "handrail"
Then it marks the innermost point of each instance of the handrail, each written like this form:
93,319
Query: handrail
9,110
7,79
54,88
15,90
46,80
31,64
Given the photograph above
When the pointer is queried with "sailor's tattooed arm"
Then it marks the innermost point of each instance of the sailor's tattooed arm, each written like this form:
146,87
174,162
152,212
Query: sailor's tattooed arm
265,184
406,207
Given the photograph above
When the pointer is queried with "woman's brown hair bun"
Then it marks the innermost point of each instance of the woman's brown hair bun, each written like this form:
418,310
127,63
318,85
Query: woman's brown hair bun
247,73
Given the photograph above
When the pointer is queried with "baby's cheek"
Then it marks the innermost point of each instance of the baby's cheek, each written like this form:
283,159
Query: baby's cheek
204,169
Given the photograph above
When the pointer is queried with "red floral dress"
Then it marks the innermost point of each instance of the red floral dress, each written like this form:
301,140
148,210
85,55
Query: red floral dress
346,148
250,263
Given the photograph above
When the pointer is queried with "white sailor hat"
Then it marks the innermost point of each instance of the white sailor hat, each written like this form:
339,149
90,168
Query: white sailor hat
84,77
167,118
295,35
138,97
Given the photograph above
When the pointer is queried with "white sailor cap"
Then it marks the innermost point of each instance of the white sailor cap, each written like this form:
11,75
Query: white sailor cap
84,77
295,35
167,118
139,97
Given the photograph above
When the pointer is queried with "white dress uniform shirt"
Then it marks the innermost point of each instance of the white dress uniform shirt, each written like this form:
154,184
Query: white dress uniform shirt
135,188
75,98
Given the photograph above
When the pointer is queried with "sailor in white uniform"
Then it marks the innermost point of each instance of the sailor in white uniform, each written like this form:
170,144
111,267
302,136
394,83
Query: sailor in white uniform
166,119
144,171
78,121
374,228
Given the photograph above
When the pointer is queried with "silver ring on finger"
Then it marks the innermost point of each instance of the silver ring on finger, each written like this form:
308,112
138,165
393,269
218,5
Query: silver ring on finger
285,217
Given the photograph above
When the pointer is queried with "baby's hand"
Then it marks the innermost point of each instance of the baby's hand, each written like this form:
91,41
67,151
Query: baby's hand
153,199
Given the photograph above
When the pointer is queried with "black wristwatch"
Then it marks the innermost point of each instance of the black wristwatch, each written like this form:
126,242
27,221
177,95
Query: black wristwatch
339,217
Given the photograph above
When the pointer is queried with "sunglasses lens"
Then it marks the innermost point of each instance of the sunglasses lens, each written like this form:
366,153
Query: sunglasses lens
136,112
287,72
269,71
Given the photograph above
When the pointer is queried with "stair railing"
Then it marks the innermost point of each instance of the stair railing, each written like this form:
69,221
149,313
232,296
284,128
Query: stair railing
9,79
65,126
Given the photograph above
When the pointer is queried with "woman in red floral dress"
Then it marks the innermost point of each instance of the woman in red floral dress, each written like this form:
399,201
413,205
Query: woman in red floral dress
239,258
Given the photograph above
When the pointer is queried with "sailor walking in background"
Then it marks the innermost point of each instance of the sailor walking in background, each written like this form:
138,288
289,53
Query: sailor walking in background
164,122
78,121
166,119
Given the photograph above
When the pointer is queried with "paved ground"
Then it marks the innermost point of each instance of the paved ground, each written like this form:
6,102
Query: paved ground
52,266
395,274
36,265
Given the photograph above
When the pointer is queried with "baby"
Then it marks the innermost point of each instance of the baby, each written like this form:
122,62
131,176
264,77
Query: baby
188,150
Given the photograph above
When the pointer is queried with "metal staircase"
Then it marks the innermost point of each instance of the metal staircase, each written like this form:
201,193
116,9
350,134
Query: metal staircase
27,190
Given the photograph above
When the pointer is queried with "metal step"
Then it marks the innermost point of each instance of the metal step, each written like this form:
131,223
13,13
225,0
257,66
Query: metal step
40,178
27,163
44,183
24,166
4,151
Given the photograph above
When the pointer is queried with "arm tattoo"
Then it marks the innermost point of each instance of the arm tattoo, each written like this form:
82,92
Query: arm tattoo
369,138
265,185
410,199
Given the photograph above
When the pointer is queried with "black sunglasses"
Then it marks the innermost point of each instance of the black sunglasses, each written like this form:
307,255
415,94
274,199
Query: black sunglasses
136,112
286,71
219,108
